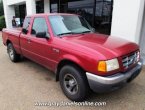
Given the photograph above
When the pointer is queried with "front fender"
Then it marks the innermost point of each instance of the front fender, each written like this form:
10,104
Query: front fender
74,59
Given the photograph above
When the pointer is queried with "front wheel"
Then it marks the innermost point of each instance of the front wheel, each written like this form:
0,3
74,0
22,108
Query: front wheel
73,83
14,57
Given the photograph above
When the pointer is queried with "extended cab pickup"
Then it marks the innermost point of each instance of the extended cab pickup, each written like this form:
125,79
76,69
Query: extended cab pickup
82,59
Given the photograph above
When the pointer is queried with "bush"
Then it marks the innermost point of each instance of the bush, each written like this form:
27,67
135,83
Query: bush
1,8
2,22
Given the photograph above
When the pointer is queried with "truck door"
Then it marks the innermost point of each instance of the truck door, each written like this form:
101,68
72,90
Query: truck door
24,37
40,47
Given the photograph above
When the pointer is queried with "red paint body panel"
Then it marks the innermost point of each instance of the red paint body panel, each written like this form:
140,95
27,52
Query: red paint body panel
86,50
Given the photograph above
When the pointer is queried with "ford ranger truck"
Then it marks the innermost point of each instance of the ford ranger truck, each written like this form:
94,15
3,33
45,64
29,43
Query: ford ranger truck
81,59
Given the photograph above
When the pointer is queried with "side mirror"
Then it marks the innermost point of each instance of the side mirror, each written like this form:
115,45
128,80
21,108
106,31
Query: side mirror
24,31
43,35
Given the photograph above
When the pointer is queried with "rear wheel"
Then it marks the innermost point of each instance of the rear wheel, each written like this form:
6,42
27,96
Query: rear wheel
73,83
14,57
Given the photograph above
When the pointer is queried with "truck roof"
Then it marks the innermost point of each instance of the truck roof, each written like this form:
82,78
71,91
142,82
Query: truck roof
49,14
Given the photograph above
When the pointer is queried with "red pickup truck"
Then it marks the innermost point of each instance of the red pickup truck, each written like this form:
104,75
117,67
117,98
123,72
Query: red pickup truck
81,59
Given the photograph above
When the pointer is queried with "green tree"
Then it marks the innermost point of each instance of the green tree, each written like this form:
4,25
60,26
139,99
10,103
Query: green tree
1,8
2,18
2,22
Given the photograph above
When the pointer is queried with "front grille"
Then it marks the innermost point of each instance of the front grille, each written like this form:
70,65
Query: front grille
130,59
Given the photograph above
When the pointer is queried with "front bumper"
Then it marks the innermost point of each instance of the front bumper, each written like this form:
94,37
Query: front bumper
101,84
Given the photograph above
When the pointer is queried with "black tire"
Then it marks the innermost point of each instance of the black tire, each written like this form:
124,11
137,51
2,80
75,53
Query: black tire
81,89
14,57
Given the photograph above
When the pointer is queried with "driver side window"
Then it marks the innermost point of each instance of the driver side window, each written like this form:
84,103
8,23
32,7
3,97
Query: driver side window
39,26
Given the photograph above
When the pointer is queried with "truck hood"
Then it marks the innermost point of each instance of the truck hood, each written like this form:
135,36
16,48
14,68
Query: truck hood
109,46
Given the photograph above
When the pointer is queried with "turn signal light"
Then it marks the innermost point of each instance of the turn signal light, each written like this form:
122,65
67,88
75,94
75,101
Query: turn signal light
102,66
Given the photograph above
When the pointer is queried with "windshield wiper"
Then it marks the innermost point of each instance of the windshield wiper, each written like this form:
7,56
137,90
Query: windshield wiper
85,32
65,33
73,33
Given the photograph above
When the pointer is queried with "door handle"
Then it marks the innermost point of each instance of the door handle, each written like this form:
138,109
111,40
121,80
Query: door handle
29,40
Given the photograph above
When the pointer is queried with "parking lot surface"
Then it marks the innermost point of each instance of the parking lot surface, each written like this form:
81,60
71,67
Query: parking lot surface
24,83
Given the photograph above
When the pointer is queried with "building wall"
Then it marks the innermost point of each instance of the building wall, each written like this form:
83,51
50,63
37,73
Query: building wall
142,39
12,2
30,8
9,13
47,6
127,19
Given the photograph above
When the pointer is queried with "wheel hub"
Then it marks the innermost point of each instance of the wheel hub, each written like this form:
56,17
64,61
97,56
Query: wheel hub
11,53
70,84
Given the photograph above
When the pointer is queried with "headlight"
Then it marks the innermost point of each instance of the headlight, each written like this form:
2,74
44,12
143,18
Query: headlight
107,66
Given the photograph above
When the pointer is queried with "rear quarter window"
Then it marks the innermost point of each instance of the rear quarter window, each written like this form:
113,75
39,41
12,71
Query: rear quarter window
26,23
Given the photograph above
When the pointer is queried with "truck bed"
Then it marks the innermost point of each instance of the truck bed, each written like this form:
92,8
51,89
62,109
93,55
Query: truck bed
13,36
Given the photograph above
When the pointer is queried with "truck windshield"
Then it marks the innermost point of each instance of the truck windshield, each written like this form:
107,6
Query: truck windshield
69,24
